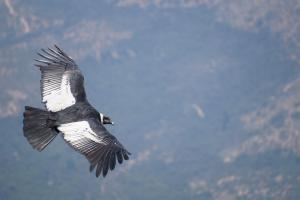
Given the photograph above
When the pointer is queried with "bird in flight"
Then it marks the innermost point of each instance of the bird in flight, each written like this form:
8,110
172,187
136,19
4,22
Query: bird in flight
69,113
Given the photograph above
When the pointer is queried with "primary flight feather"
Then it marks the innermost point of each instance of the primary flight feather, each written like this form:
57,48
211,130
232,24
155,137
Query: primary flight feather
68,112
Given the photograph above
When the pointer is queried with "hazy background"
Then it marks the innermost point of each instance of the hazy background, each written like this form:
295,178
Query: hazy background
204,93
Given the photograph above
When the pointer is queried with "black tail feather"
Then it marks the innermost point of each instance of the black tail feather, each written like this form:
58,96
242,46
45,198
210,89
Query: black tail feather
37,129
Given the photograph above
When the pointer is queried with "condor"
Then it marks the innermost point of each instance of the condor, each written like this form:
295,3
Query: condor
69,113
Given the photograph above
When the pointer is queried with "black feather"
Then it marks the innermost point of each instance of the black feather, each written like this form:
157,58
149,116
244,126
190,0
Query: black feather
125,155
100,164
106,163
50,54
59,55
48,58
112,160
119,157
63,53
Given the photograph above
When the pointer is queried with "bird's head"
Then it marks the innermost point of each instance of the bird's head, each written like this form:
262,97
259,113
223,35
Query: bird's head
105,120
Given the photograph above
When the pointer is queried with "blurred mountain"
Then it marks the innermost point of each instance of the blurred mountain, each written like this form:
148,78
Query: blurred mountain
205,94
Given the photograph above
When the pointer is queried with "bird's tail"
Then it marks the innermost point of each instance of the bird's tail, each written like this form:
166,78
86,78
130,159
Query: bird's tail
38,127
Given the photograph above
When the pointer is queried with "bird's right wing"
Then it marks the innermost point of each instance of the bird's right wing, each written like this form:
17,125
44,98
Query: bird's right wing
61,82
91,139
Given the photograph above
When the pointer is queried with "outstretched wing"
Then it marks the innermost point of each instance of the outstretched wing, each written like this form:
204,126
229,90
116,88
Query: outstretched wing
91,139
61,82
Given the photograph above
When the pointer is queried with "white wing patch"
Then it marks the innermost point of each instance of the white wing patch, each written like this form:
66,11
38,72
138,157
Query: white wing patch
56,92
79,133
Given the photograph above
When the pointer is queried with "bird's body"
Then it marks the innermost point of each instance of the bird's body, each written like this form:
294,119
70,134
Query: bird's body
77,112
69,112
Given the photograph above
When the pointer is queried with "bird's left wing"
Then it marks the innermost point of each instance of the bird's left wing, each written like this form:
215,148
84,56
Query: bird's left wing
91,139
61,81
